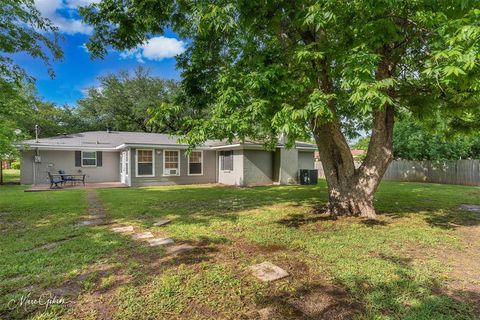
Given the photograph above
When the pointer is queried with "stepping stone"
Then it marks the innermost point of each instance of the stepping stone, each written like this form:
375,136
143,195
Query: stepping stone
470,207
162,222
267,272
143,235
123,229
159,242
179,248
87,223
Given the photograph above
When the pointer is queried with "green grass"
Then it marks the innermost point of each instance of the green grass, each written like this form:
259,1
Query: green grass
392,269
11,175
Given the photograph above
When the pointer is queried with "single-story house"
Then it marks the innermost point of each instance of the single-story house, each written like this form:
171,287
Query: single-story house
139,159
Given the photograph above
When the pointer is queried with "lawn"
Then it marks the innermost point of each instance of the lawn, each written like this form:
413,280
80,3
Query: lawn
11,175
420,260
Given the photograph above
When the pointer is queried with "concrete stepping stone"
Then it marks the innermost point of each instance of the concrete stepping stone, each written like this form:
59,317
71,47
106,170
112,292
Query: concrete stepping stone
143,235
179,248
162,222
88,223
267,272
160,242
123,229
470,207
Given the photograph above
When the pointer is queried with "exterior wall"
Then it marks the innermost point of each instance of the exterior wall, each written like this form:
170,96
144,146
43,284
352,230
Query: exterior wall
52,161
288,166
276,165
306,160
258,167
209,172
233,177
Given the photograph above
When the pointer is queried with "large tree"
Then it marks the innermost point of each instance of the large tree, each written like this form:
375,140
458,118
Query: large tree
22,30
323,68
127,102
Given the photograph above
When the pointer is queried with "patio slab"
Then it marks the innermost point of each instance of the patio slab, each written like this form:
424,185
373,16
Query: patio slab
162,222
267,272
91,185
123,229
143,235
160,242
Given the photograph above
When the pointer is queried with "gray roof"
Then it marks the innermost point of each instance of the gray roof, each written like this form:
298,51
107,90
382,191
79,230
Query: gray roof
115,139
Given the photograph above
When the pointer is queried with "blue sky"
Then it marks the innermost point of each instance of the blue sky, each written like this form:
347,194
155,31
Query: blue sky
77,71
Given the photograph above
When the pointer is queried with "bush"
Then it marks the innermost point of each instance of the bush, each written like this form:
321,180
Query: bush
16,165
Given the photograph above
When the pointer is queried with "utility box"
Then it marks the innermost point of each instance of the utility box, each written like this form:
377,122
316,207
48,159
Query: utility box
307,176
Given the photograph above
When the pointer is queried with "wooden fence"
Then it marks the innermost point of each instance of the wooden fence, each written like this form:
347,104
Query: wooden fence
463,172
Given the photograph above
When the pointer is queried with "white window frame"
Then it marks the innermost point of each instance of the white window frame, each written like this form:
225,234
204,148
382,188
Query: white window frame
153,163
89,165
188,161
178,169
233,160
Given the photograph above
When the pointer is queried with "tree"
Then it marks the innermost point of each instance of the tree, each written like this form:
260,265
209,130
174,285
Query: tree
22,30
413,141
323,68
127,102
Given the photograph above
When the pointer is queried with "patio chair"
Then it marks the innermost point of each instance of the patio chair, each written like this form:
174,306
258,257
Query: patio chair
54,181
65,178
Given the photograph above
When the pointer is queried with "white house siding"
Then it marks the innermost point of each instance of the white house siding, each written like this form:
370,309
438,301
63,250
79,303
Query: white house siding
233,177
52,161
209,170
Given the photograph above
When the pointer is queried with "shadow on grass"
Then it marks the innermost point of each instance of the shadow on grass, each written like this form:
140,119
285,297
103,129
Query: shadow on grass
313,301
453,219
299,220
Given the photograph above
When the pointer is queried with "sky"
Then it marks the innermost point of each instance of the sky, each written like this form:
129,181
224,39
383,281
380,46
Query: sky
76,71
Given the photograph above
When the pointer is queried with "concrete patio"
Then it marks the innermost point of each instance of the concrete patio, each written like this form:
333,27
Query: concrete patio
68,186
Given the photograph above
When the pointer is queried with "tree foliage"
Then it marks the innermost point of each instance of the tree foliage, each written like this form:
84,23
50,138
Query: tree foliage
414,141
22,30
127,102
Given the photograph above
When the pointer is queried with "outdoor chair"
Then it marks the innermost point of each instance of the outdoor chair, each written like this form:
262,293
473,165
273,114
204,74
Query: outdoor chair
65,178
54,181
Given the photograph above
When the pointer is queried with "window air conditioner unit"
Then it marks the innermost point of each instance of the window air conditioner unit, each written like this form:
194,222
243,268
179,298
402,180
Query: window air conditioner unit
172,172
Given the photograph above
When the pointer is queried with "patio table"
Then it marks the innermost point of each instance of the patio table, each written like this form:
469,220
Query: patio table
81,177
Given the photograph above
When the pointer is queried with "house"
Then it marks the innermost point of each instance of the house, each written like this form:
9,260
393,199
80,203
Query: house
139,159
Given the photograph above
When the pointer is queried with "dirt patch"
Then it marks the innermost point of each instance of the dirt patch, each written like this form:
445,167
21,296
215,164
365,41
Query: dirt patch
313,301
252,248
465,267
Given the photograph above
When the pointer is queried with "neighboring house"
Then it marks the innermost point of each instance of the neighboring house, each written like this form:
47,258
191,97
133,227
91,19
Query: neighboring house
138,159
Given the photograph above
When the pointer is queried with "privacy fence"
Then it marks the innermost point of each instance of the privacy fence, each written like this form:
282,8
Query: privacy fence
463,172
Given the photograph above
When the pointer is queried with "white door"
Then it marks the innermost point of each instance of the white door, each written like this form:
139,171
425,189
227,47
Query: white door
123,166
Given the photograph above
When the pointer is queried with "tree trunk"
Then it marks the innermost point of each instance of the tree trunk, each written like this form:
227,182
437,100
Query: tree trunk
351,190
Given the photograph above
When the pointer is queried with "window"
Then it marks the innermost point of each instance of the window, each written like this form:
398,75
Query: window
171,165
195,163
145,163
89,159
226,160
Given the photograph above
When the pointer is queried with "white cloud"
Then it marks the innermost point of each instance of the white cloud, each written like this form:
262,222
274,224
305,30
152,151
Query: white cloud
80,3
64,15
157,48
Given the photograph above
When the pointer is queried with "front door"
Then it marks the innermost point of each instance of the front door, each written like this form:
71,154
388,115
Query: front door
123,166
